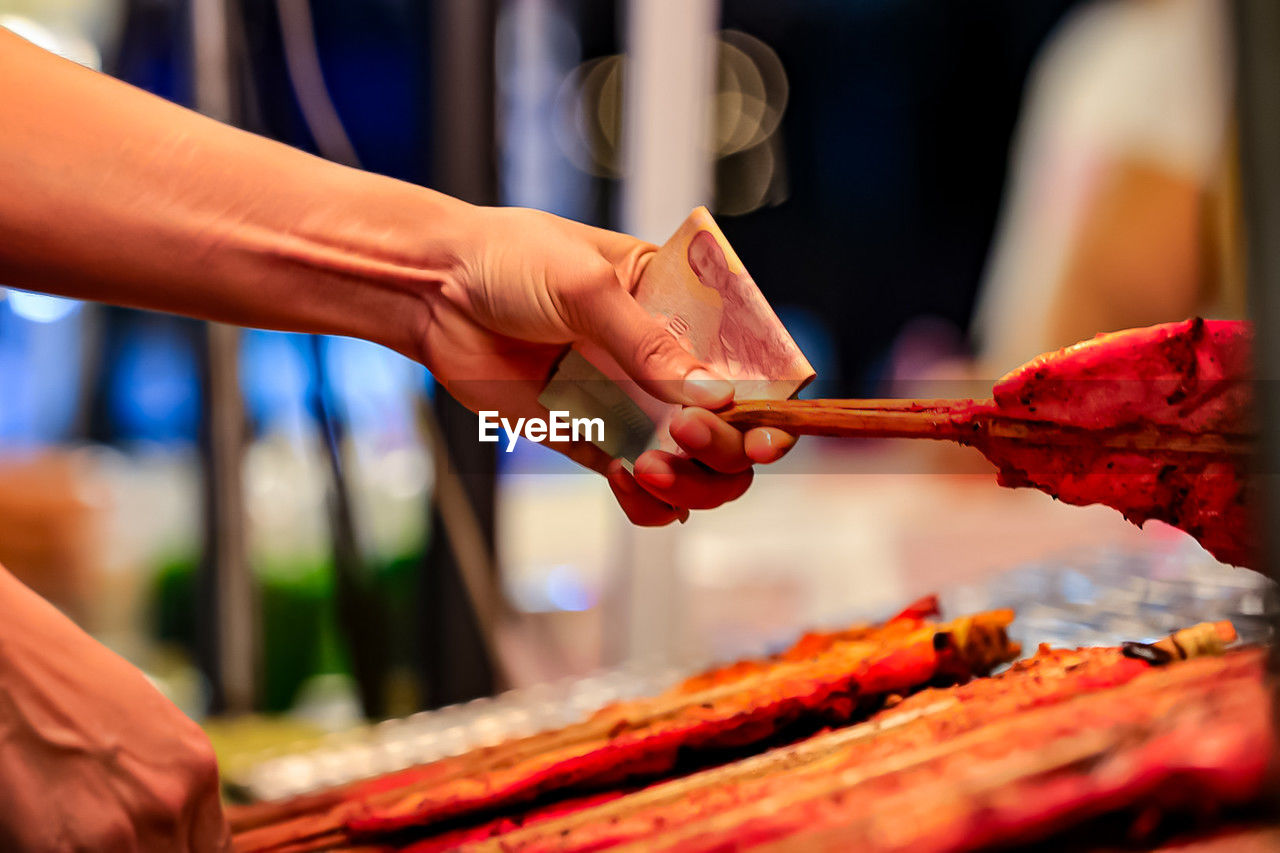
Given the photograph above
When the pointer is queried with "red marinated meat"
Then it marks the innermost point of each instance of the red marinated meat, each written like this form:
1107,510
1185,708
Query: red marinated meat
1057,739
1186,740
1185,379
826,680
705,804
1192,375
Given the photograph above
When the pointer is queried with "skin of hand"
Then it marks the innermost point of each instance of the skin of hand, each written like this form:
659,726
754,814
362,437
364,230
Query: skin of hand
533,283
165,209
92,757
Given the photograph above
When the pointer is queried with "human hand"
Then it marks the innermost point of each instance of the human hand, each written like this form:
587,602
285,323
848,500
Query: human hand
527,285
263,235
92,757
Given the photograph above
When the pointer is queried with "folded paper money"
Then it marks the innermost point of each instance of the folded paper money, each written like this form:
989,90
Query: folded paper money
697,285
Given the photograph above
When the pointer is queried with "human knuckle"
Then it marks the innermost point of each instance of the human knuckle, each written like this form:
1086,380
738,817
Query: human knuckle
586,291
653,350
199,762
599,271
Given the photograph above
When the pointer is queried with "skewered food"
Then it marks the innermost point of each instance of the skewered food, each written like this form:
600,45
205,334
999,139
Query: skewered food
729,804
1056,740
1187,740
825,678
1167,385
1155,422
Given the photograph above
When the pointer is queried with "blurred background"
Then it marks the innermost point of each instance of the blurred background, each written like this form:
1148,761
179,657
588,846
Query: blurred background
928,193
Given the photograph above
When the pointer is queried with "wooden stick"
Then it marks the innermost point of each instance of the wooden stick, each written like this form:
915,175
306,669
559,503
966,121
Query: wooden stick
938,419
964,421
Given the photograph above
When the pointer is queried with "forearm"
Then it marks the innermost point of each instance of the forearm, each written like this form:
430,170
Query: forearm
131,771
108,193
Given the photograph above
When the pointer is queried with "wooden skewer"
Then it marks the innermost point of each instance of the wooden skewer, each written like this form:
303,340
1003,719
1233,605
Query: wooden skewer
963,421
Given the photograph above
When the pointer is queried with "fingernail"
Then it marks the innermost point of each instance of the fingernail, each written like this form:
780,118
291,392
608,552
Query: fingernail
683,517
704,388
694,434
656,473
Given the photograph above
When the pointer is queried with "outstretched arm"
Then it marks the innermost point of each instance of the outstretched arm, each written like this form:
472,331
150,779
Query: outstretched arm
109,193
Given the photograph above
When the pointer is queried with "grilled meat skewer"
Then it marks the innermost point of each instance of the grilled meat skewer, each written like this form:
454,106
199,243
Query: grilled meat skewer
1155,422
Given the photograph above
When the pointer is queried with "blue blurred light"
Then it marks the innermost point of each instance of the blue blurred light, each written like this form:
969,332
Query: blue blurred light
39,308
375,386
275,377
154,386
40,370
565,590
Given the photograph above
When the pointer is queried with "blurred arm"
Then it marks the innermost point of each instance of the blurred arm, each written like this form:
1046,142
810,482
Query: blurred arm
1123,132
1137,259
131,771
109,193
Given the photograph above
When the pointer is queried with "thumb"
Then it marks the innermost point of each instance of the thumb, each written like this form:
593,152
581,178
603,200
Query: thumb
650,354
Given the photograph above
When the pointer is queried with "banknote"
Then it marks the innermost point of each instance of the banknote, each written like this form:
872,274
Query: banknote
706,299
